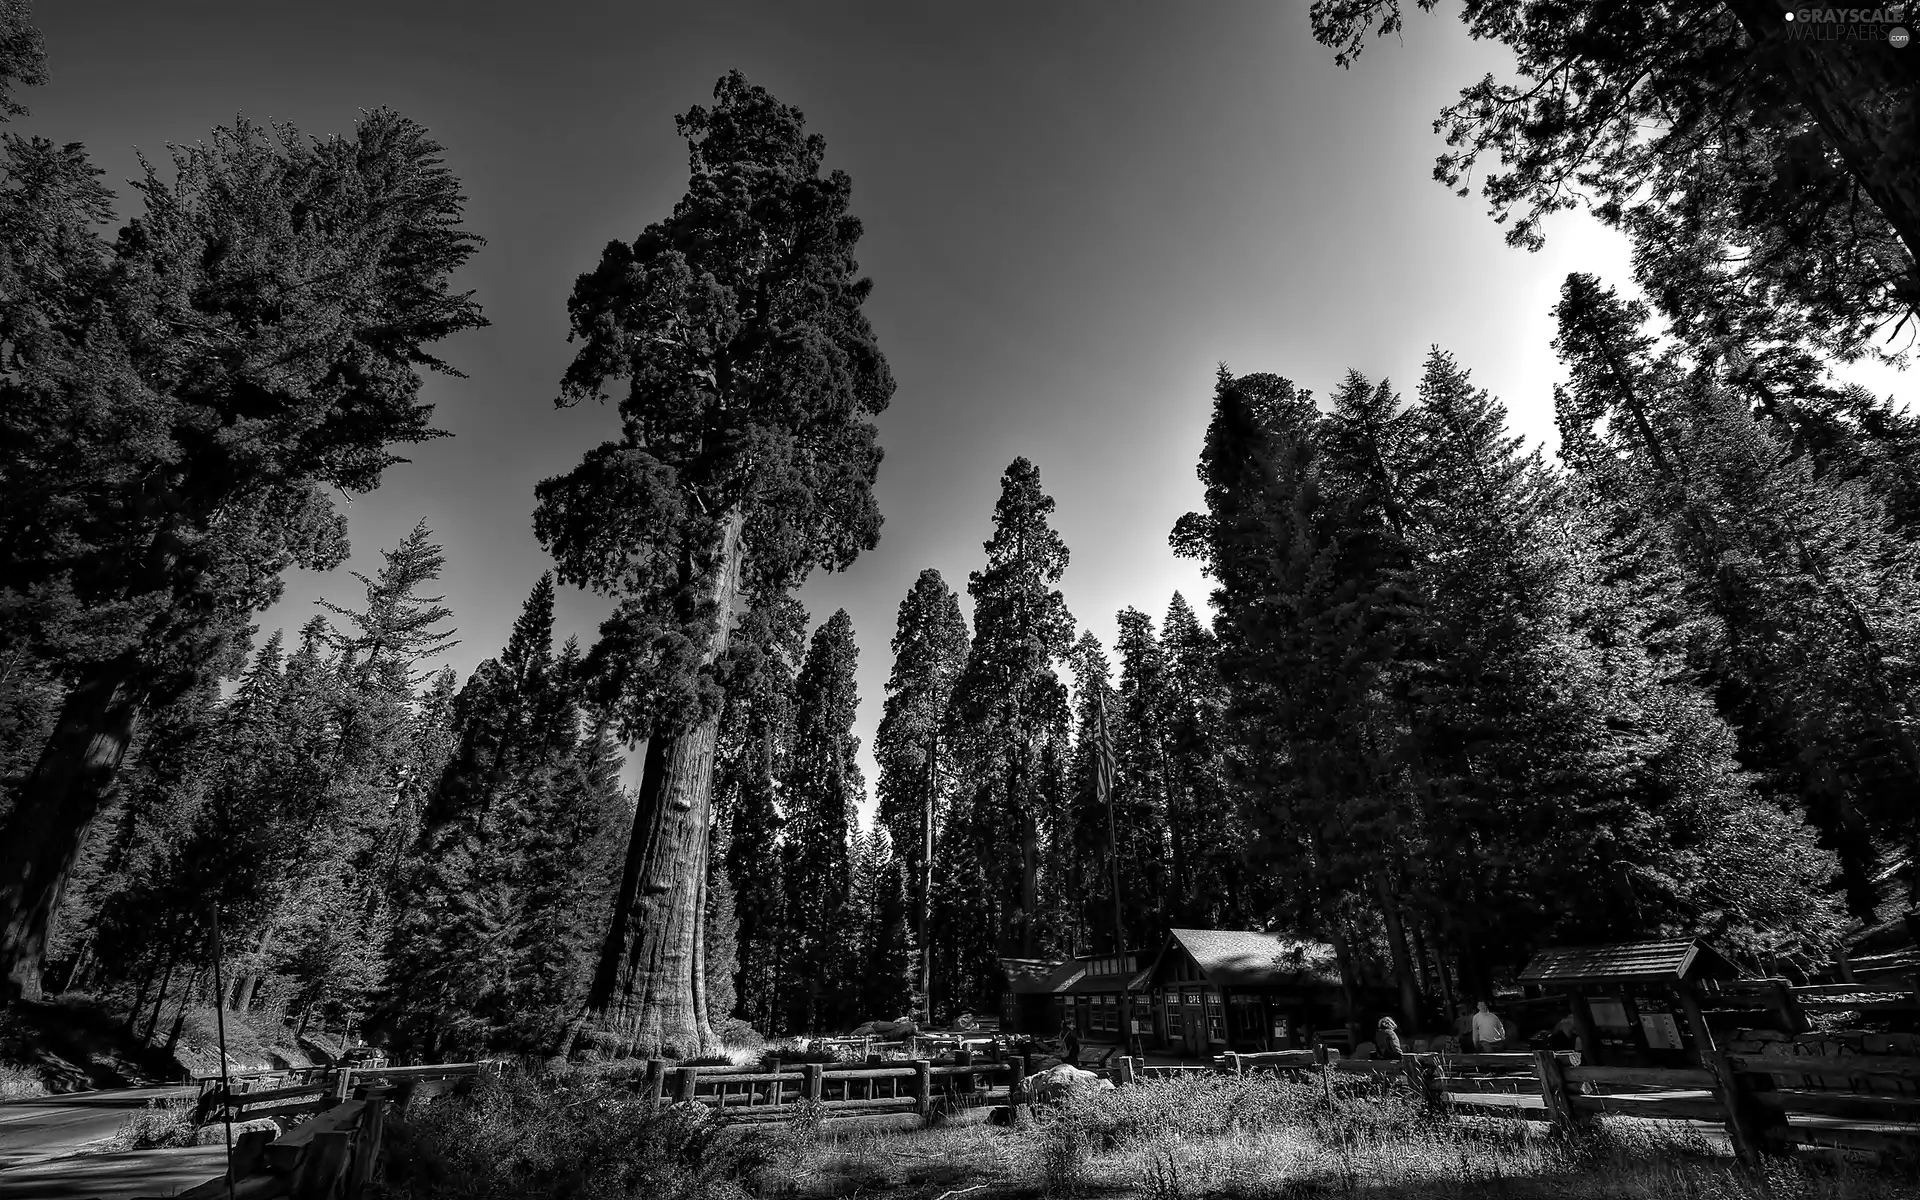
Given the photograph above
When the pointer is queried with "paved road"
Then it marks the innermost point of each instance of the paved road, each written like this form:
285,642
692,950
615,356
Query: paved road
134,1175
48,1126
38,1139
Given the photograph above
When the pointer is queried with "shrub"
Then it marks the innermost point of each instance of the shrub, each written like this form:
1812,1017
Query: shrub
18,1083
572,1133
158,1126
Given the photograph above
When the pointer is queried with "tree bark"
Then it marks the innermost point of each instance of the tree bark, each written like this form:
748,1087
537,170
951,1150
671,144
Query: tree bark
926,875
1402,957
54,811
652,954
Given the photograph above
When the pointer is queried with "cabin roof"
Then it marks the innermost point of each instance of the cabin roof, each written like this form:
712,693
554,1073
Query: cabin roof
1030,975
1246,958
1669,962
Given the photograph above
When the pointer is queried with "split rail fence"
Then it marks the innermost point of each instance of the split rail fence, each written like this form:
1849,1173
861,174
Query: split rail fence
1765,1101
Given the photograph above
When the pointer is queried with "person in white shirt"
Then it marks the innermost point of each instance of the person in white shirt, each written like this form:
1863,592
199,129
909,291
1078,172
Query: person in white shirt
1488,1032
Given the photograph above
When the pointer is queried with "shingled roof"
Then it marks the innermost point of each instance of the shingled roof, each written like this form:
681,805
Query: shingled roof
1030,976
1668,962
1243,958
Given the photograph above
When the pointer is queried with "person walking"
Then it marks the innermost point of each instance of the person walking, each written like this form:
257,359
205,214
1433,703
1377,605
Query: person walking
1488,1033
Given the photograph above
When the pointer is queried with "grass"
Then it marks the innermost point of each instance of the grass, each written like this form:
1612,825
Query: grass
20,1083
581,1134
158,1126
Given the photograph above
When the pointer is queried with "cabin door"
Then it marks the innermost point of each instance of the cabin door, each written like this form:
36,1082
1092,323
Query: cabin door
1193,1020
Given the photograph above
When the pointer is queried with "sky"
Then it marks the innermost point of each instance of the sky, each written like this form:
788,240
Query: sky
1074,213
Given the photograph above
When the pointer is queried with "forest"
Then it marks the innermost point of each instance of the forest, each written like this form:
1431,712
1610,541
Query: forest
1451,699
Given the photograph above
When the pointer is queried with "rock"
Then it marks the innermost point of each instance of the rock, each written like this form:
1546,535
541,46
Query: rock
1056,1083
216,1133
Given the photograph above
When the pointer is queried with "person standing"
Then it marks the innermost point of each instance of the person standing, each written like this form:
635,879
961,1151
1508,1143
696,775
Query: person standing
1069,1044
1488,1033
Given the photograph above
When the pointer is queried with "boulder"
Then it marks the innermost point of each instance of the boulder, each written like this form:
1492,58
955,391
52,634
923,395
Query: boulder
216,1133
1056,1083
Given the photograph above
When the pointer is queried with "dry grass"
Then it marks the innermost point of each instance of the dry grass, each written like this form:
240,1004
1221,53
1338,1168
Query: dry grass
158,1126
20,1083
1196,1138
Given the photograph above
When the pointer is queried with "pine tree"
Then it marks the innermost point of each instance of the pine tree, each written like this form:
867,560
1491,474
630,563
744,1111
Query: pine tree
821,790
312,276
1008,702
929,652
1797,594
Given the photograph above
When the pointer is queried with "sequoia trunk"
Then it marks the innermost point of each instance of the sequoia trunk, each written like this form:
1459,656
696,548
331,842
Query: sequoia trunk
55,810
653,957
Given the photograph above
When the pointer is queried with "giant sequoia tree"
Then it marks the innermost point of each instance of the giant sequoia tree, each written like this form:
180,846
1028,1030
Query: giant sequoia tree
746,458
176,403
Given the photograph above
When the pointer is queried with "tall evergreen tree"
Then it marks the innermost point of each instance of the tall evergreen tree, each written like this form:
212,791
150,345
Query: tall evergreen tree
1798,594
822,788
1008,702
747,458
929,652
250,341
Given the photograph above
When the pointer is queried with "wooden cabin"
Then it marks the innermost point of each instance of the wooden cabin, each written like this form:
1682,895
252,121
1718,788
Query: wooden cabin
1635,1003
1214,990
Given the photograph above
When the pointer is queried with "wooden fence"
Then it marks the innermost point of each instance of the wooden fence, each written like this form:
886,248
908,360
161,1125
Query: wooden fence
917,1087
330,1154
1766,1102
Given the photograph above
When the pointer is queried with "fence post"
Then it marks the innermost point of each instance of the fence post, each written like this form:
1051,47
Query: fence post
1792,1016
923,1087
324,1167
656,1081
1234,1066
343,1085
1320,1054
689,1083
1744,1127
1553,1088
1126,1071
366,1150
816,1078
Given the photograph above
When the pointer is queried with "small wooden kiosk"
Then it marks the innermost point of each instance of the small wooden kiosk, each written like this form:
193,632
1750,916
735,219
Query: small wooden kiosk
1637,1004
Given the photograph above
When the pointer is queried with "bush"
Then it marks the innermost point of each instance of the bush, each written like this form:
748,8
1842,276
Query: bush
572,1133
18,1083
736,1035
158,1126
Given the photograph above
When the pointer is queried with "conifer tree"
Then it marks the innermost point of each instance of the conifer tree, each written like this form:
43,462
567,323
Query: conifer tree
280,291
1798,595
821,789
747,458
929,652
1008,701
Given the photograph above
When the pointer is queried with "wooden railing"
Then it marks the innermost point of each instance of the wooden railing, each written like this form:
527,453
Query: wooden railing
918,1086
1765,1102
330,1154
